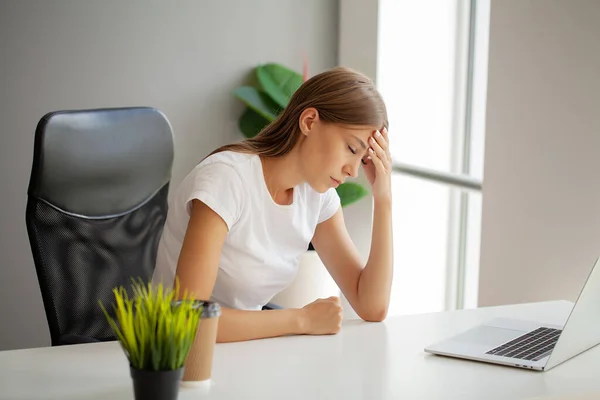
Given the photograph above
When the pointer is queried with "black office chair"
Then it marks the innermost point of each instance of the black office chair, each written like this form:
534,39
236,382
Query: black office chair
97,203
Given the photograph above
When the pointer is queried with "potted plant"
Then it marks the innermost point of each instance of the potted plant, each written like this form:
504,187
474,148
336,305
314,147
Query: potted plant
156,331
265,98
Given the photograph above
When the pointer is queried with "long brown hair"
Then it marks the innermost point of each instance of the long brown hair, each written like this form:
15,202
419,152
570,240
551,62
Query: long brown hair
340,95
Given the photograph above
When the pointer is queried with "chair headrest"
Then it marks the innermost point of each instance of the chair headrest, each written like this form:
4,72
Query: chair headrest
102,162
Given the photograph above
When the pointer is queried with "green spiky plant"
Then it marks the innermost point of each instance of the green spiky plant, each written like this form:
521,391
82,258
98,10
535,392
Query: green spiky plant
266,98
155,329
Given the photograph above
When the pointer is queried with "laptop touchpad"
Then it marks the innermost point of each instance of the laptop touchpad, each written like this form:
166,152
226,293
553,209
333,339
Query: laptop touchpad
488,335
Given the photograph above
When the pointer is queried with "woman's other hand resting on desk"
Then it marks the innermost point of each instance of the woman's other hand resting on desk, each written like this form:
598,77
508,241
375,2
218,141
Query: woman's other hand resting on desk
323,316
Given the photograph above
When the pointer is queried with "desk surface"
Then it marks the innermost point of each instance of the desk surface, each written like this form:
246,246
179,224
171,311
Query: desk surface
364,361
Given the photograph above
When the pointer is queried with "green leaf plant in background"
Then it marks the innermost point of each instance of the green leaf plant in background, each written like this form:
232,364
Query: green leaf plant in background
155,330
266,99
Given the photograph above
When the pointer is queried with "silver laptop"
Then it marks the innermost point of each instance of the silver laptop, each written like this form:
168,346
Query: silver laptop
531,345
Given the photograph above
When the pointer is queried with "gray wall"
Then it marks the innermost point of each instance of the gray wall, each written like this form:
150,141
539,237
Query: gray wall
183,57
541,197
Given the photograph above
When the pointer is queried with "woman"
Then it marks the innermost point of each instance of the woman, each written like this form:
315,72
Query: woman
240,220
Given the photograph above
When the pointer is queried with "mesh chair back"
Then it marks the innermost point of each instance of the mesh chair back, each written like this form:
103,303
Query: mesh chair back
97,202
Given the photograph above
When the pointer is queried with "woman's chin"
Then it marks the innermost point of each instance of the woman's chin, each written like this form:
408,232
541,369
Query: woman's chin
320,187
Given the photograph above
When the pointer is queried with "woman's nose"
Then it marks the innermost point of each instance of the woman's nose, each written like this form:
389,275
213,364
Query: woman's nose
351,169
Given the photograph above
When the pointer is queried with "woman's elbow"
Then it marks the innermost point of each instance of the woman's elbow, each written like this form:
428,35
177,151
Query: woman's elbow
375,314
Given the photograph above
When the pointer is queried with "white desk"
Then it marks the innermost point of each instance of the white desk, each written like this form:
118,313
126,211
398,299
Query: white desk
364,361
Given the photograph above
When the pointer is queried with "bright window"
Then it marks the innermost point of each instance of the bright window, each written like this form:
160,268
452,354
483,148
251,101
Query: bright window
431,73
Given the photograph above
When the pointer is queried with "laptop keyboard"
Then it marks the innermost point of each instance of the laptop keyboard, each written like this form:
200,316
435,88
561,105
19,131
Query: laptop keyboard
533,345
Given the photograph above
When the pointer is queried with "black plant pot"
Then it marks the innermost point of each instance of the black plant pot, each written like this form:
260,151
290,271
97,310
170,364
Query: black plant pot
156,385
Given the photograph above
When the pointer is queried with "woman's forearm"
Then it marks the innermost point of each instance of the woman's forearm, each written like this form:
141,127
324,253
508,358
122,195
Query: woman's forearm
375,281
240,325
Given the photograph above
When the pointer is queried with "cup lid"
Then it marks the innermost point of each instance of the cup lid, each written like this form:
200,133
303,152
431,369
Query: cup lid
210,309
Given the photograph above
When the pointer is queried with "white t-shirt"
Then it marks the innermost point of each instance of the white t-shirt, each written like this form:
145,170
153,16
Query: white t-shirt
265,240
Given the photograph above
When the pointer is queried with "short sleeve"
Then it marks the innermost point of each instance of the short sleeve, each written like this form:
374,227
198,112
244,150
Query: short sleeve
219,186
330,203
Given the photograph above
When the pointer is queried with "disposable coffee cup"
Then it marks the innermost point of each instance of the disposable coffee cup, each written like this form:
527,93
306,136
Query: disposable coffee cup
198,364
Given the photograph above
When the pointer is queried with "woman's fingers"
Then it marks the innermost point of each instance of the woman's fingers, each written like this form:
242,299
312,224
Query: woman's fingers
379,164
381,138
379,151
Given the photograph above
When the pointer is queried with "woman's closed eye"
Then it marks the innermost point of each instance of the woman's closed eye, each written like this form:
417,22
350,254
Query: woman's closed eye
353,151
